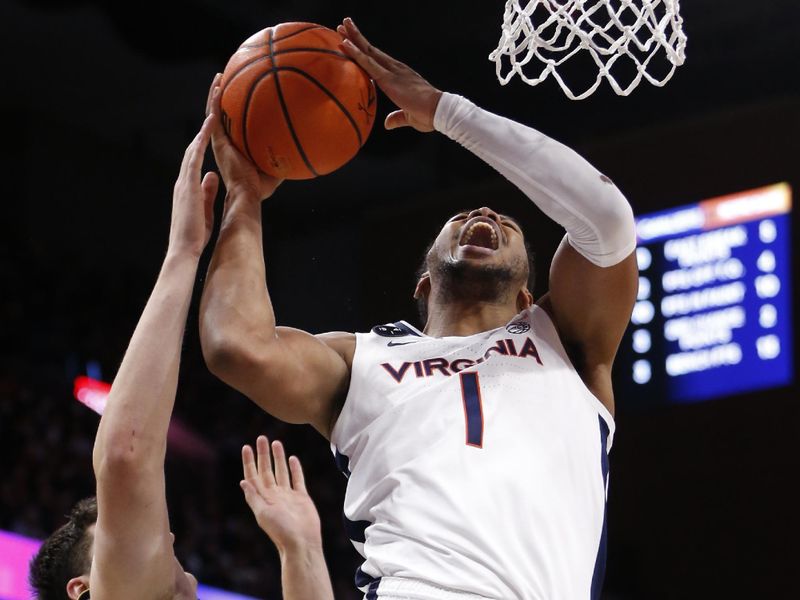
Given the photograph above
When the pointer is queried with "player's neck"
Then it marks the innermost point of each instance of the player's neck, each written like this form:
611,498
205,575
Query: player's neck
455,319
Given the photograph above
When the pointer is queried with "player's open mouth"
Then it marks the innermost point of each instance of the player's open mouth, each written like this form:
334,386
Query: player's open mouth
480,234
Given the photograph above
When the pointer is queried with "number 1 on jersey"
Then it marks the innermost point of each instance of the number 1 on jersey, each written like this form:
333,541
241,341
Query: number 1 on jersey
473,408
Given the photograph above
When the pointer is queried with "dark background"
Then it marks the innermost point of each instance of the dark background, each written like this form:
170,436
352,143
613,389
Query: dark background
99,100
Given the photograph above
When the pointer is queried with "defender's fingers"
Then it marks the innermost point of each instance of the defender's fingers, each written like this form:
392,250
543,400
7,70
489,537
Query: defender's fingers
281,472
248,464
298,479
217,130
214,83
251,495
264,461
195,151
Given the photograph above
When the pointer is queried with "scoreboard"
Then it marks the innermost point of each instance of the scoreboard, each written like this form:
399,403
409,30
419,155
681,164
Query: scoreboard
713,316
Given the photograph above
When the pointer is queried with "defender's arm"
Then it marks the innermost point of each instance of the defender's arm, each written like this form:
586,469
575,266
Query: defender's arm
285,512
133,555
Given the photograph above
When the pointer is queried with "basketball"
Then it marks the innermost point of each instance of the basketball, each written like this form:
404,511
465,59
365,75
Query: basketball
294,103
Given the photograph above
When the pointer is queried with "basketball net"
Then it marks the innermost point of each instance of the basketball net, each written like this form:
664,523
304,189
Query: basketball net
553,31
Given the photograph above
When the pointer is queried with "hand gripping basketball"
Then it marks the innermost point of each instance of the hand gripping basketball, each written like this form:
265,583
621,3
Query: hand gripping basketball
415,97
238,173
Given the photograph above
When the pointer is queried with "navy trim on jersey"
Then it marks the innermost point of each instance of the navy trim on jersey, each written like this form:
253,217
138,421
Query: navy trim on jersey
600,561
404,326
356,530
394,330
342,462
363,579
367,581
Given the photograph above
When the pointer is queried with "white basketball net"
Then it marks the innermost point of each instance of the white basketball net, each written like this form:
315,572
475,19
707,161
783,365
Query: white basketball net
553,31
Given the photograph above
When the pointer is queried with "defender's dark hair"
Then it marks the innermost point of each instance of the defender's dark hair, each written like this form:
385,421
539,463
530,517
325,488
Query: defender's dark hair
65,554
422,303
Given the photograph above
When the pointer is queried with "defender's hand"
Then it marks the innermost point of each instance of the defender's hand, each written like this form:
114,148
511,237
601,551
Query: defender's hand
193,199
238,173
416,98
282,508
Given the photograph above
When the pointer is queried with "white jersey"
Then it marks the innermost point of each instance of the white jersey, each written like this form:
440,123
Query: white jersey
476,464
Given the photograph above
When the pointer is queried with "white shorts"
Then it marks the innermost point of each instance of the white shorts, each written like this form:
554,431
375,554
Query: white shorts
400,588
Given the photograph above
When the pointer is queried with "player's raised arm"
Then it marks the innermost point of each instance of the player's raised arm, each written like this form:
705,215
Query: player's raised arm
291,374
593,278
286,513
133,556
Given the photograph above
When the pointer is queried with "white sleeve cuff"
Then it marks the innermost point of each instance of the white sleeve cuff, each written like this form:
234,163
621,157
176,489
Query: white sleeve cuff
598,219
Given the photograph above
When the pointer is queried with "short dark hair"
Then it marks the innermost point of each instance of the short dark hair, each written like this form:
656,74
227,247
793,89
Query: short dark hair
65,554
422,303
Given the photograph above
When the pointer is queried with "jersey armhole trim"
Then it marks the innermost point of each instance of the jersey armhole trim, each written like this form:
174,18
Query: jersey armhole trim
334,441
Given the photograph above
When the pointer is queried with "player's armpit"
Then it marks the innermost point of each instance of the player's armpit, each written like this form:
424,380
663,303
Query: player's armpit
591,307
295,376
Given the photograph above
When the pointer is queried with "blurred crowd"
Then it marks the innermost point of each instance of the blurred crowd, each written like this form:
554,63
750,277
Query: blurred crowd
55,322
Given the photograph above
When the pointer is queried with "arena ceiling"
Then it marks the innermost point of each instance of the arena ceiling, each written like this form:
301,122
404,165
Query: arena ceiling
102,98
146,65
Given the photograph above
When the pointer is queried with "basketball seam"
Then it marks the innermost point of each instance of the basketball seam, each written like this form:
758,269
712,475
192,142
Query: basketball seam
294,33
323,50
271,41
330,94
286,113
287,51
243,67
286,37
247,110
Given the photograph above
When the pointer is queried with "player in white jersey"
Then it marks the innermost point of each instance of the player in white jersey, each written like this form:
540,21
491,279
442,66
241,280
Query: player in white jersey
476,449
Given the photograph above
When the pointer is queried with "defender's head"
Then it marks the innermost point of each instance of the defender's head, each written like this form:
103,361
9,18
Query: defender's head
61,568
478,256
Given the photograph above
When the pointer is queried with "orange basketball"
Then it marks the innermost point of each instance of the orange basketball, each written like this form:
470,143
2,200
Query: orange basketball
294,104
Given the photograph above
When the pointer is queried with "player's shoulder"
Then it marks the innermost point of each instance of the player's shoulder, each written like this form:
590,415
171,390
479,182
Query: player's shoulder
332,337
341,342
344,342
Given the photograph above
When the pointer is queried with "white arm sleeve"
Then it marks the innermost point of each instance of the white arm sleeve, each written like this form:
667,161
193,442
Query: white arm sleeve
597,217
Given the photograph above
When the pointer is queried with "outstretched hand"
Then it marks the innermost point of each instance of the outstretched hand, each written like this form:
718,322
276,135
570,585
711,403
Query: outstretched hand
238,173
193,198
416,98
281,506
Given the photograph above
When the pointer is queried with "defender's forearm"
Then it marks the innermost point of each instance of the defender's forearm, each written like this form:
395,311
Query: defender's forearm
569,190
235,302
304,575
134,425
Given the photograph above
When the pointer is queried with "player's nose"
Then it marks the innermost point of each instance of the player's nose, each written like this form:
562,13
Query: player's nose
485,211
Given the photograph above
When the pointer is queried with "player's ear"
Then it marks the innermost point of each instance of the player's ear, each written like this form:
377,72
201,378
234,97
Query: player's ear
423,286
524,299
78,588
